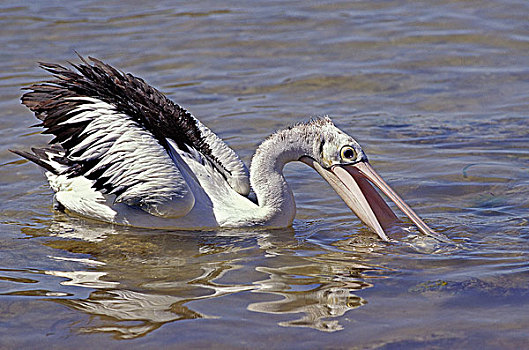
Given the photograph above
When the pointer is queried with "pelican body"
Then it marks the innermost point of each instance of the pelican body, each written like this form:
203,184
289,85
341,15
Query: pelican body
123,153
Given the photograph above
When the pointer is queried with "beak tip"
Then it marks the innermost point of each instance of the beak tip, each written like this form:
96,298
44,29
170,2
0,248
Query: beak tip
383,236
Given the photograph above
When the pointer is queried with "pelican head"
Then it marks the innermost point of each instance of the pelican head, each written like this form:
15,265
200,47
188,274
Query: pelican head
340,160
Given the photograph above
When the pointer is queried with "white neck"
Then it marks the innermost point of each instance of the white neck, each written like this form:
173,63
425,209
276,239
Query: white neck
266,173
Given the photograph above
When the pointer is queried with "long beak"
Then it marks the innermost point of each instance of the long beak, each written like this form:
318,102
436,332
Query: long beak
354,184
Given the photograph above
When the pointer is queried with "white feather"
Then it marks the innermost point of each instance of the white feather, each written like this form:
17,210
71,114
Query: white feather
133,158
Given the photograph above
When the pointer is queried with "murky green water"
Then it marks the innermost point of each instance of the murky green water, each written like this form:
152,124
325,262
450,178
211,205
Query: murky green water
436,92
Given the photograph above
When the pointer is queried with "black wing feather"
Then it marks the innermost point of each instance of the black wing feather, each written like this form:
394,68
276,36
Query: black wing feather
129,94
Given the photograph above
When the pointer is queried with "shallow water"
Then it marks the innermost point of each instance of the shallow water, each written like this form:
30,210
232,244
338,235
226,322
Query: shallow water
438,95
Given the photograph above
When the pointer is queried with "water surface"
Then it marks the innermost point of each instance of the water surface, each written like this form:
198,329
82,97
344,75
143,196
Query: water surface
438,95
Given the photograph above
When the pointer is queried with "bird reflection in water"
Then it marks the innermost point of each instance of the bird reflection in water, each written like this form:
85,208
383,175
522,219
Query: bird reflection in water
141,281
317,299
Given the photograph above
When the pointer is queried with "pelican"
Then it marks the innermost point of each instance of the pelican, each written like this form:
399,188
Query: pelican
123,153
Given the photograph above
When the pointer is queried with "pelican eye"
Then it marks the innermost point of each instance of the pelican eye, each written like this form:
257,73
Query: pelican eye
348,153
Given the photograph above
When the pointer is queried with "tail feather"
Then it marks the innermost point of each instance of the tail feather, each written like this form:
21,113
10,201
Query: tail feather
50,158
